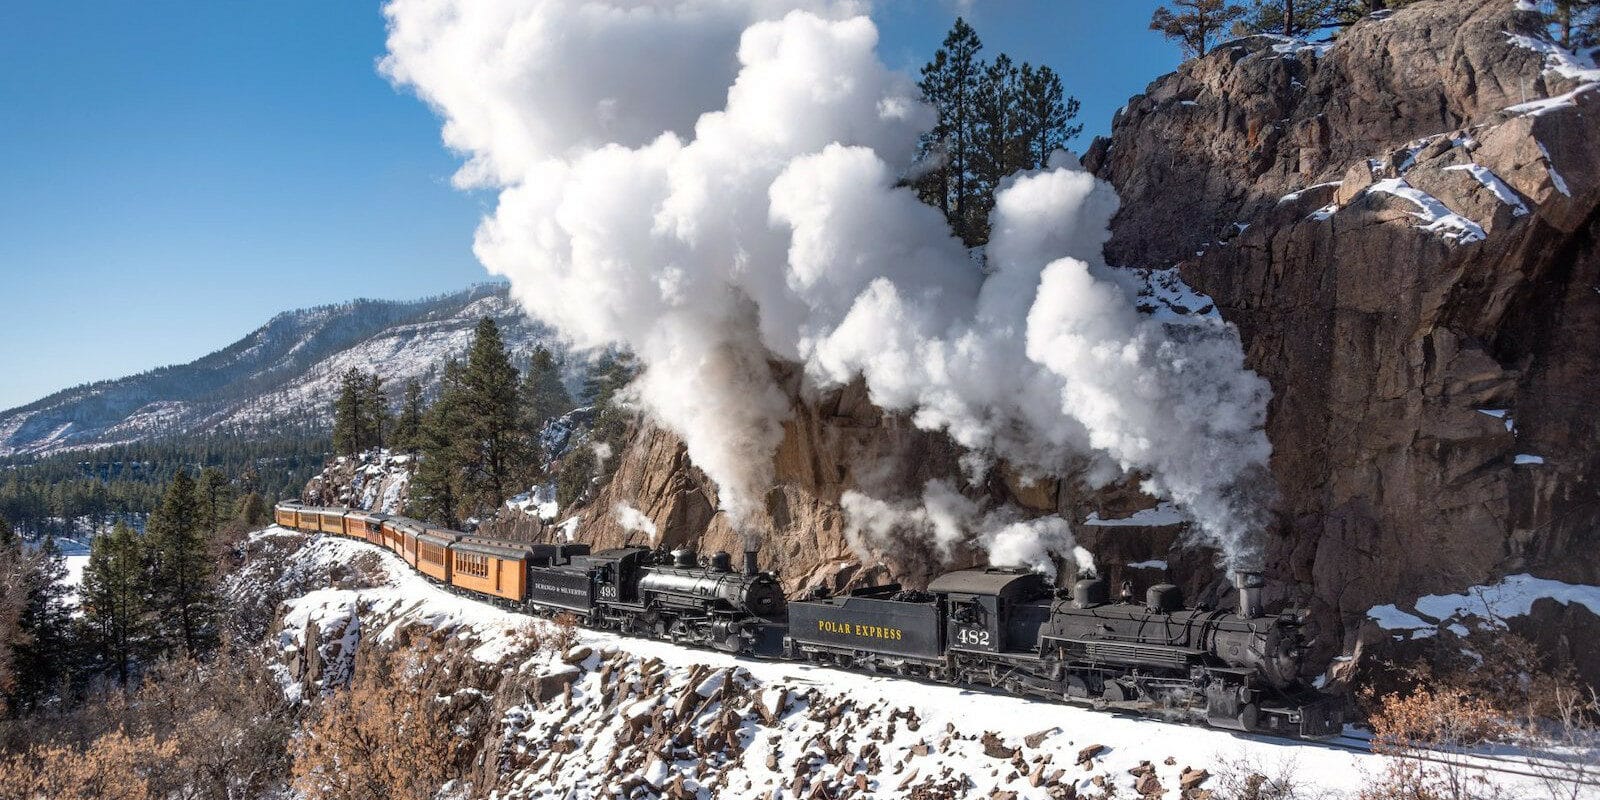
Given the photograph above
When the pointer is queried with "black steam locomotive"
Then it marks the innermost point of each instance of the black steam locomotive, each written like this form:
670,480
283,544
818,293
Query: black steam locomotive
1011,630
1006,629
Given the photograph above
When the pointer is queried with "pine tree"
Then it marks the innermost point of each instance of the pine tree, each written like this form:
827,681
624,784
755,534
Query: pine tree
436,480
544,396
999,144
1194,23
1296,19
182,567
44,659
950,83
493,451
375,411
408,425
216,499
114,599
1576,23
348,413
1046,115
252,511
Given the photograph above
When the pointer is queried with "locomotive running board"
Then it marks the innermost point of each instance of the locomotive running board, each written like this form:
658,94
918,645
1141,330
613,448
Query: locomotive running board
1103,651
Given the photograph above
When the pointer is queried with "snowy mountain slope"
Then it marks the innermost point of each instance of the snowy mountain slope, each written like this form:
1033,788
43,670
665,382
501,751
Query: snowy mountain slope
627,717
279,377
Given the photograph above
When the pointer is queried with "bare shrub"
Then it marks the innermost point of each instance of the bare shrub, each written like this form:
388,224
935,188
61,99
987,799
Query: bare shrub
115,766
1425,734
564,636
387,735
1248,778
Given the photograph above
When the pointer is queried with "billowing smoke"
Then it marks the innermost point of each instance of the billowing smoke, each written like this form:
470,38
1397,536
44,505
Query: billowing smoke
951,521
632,519
714,184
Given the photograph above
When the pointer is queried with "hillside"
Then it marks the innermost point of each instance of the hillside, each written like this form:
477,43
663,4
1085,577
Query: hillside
280,378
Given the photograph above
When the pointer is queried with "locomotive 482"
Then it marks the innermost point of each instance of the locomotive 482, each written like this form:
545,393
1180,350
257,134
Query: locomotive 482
1006,629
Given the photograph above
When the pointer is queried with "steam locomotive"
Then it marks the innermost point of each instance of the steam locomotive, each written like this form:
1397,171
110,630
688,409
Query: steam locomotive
1005,629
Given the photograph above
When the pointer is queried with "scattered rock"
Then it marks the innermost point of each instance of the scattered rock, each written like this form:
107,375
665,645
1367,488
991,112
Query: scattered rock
1087,755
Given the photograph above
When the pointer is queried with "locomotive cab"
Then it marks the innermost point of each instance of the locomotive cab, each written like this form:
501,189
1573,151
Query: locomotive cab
993,610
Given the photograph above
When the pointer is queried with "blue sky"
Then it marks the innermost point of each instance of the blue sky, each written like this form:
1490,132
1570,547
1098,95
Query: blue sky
173,174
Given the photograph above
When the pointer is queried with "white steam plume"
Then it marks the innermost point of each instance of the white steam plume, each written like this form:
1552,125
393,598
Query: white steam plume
950,520
632,519
711,232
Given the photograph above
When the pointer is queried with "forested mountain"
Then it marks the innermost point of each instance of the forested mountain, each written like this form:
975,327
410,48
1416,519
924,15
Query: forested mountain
278,380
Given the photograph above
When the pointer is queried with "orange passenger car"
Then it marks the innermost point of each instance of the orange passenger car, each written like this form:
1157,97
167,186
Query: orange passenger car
332,521
433,553
489,566
285,515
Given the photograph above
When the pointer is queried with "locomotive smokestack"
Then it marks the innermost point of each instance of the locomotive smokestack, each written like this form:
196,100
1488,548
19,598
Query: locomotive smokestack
1249,585
751,564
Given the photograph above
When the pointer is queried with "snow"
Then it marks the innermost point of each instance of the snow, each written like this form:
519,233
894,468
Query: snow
1162,514
1500,414
1391,618
1492,182
1323,213
1163,294
1528,458
1435,216
1557,59
1534,108
915,728
1513,596
1555,177
1295,195
538,501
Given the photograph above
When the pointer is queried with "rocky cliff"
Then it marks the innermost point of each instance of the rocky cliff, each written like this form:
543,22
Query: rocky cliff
1403,227
1402,224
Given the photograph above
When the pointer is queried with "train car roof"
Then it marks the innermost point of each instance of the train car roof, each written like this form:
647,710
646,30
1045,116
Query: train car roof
440,536
282,503
990,581
491,547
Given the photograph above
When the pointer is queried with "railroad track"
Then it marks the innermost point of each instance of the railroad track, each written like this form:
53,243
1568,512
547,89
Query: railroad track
1465,760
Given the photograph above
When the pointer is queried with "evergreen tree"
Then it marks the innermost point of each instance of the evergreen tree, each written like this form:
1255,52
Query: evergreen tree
253,512
1046,115
375,410
612,371
216,499
408,425
182,568
44,659
544,396
1193,23
950,83
492,450
1293,18
1000,144
114,599
1575,23
349,415
436,479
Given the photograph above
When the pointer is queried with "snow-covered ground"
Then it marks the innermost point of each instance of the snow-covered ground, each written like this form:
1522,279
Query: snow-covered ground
763,728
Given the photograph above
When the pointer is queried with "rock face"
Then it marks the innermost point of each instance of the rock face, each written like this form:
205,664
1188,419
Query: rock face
1410,256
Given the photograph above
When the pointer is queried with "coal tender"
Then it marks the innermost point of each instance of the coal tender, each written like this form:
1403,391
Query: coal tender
1011,630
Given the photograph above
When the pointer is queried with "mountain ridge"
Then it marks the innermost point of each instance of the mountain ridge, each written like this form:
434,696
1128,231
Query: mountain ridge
277,378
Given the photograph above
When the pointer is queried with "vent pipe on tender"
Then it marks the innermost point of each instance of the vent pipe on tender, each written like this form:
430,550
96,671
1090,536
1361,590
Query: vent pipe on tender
1249,585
